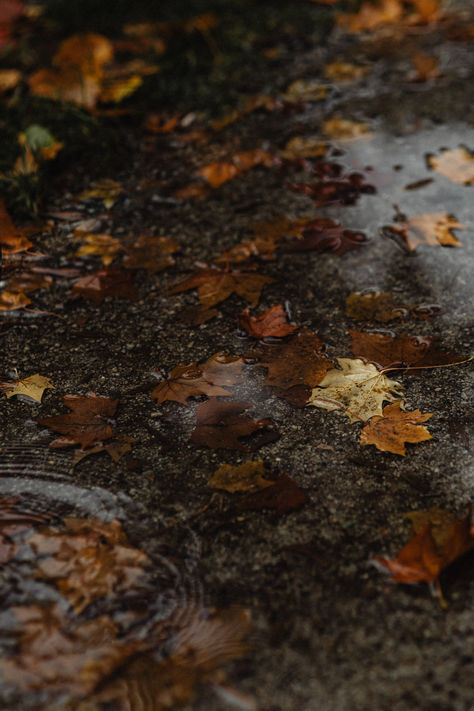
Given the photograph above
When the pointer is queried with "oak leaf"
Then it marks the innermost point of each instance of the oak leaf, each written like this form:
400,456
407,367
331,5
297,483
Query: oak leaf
33,387
106,282
389,351
358,389
89,421
221,425
297,361
282,497
321,233
272,323
151,253
249,476
215,285
433,228
457,165
390,432
422,561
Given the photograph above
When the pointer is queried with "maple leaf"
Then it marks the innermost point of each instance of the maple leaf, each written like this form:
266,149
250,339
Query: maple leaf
334,186
271,324
103,245
220,425
215,285
151,253
457,165
106,282
283,496
374,306
358,389
389,432
297,361
389,351
223,369
88,422
432,228
33,387
186,381
217,174
196,315
322,233
116,448
248,476
421,561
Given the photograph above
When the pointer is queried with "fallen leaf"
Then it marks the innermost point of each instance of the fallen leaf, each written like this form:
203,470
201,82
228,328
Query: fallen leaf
186,381
390,432
250,104
221,425
33,387
373,306
13,239
320,234
249,476
421,561
214,285
389,351
344,72
9,78
116,449
26,282
12,302
106,190
304,147
426,67
297,396
457,165
439,520
305,90
196,315
216,174
223,369
14,520
151,253
88,422
371,15
271,324
297,361
283,496
106,282
343,130
103,245
432,228
358,389
334,186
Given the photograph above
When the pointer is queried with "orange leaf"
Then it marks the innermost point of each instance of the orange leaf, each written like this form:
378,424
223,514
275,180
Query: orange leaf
390,432
272,323
217,174
186,381
214,285
457,165
432,228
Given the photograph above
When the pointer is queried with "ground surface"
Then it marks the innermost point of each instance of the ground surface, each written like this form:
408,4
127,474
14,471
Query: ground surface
328,630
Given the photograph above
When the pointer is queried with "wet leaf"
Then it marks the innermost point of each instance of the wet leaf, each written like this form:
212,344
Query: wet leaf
116,449
426,67
106,282
282,497
457,165
305,90
249,476
371,15
9,78
421,561
106,190
321,234
13,239
358,389
297,361
389,351
151,253
13,521
334,186
221,425
216,174
390,432
215,285
272,323
344,72
304,147
12,302
196,315
26,282
439,520
373,306
32,387
433,228
88,422
186,381
342,129
223,369
103,245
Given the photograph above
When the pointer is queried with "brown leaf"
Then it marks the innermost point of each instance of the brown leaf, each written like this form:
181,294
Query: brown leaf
457,165
88,422
103,245
297,396
11,302
420,560
282,497
334,185
371,15
186,381
26,282
344,72
13,239
223,369
12,521
216,174
426,67
151,253
321,234
248,476
271,324
116,448
196,315
343,130
106,282
297,361
215,285
389,351
434,229
390,432
220,425
373,306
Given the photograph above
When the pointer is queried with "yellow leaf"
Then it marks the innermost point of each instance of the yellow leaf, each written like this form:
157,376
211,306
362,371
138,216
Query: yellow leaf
33,387
343,129
344,72
431,228
119,89
103,245
457,165
246,477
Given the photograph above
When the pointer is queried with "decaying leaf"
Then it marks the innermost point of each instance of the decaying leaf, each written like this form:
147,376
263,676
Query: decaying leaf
426,67
422,561
282,497
358,389
89,421
249,477
9,79
106,282
221,425
196,315
103,245
457,165
33,387
335,186
215,285
389,351
390,432
272,323
115,448
439,520
304,147
217,174
373,306
321,233
433,228
343,129
151,253
296,361
223,369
